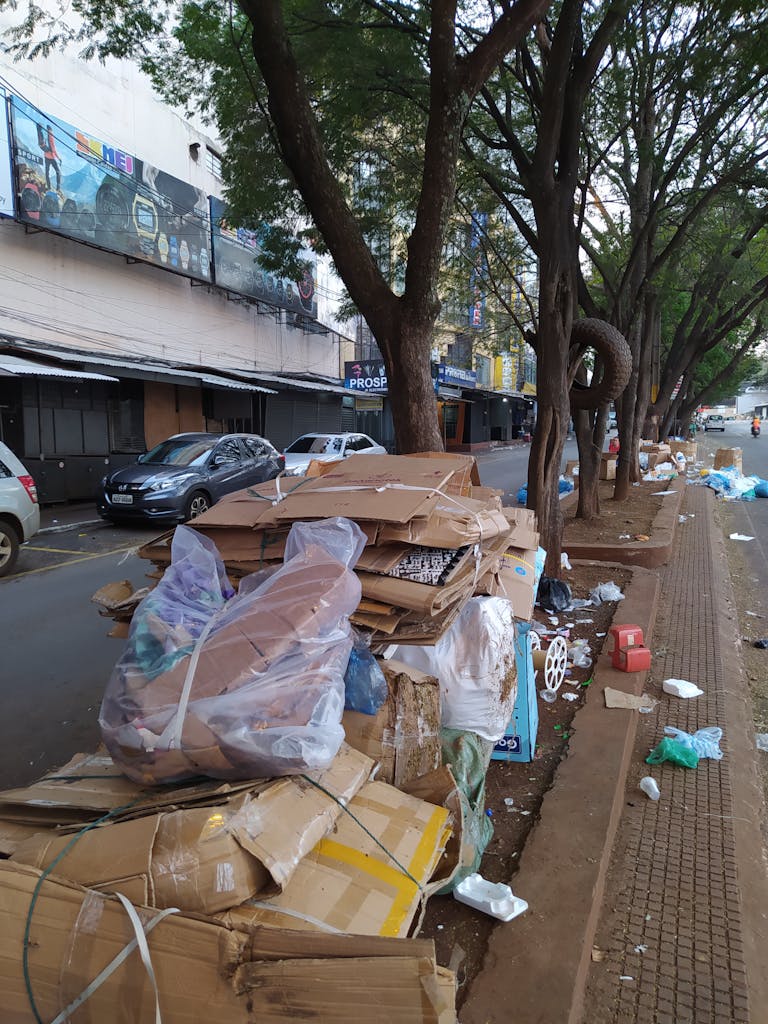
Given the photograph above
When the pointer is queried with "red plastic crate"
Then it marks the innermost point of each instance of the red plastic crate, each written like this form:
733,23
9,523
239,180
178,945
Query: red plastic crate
632,659
624,636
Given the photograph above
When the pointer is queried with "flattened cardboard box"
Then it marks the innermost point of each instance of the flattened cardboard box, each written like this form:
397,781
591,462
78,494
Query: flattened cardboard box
352,882
404,735
205,971
207,859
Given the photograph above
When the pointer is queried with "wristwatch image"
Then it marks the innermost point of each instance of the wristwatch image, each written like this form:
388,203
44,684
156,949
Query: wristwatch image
145,221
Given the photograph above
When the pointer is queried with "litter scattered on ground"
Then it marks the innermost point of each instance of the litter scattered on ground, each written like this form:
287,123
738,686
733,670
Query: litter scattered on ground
675,752
605,592
681,688
641,948
706,741
761,741
564,562
650,787
493,898
755,615
570,696
761,644
740,536
629,701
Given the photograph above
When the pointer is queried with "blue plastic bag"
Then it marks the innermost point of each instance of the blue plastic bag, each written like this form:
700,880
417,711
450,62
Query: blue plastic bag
761,489
365,688
565,485
522,496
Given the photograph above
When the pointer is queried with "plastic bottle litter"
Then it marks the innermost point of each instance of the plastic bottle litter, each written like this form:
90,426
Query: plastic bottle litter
649,787
564,563
681,688
493,898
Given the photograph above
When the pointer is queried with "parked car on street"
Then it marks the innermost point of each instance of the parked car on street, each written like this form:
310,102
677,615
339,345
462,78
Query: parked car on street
183,476
714,422
19,509
326,447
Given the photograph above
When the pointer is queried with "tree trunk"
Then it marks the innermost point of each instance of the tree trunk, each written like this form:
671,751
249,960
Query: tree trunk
590,436
406,350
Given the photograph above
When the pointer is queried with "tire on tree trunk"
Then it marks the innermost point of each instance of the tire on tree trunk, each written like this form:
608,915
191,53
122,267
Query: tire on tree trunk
616,357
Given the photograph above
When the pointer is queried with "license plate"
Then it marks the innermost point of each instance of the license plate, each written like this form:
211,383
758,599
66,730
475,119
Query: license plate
122,499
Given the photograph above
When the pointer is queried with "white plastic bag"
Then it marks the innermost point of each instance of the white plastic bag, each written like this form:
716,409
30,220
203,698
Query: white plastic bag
242,686
605,592
475,664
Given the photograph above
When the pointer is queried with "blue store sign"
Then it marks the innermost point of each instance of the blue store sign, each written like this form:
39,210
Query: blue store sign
457,376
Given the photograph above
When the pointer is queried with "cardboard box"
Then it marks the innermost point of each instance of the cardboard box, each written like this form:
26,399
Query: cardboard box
608,464
524,527
205,971
355,883
687,448
404,735
725,457
519,741
206,859
572,467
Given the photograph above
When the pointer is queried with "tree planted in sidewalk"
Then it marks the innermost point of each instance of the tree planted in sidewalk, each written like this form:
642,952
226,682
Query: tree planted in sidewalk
303,92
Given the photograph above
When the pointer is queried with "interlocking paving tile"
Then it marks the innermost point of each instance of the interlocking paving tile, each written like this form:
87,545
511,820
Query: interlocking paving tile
672,883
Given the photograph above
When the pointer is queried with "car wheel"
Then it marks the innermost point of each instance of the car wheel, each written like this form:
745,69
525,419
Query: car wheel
197,503
9,548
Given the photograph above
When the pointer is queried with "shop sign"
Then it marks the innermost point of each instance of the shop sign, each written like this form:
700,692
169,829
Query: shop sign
365,376
457,376
375,404
236,264
89,190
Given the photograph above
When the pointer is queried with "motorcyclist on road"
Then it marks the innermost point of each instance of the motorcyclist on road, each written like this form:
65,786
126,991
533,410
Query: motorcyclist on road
756,426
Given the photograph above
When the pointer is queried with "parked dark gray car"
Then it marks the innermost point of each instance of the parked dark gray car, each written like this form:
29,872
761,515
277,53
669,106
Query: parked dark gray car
183,476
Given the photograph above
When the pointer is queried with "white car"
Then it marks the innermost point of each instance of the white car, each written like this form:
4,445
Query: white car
322,447
19,510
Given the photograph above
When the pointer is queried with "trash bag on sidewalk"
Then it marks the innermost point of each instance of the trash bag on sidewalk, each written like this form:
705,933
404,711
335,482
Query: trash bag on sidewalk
553,595
243,686
706,742
673,751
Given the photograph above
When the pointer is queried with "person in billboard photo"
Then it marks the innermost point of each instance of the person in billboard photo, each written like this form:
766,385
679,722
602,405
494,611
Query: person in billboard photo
47,143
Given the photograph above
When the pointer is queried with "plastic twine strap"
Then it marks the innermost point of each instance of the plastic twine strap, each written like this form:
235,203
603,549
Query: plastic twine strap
141,931
367,831
36,893
177,724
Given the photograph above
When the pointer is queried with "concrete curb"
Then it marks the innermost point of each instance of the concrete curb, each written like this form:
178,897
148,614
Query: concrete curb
541,961
648,554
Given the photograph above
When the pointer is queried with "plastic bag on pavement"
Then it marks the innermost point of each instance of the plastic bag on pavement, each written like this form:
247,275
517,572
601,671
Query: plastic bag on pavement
761,489
364,683
605,592
243,686
474,662
522,496
553,595
706,742
469,757
675,752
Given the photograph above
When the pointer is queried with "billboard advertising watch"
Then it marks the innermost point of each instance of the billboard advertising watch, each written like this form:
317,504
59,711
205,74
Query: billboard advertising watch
236,261
81,187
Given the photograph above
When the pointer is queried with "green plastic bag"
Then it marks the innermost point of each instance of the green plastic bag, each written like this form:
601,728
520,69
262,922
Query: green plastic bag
674,751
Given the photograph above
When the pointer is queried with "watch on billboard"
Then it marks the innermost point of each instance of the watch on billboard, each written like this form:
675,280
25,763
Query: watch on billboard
90,191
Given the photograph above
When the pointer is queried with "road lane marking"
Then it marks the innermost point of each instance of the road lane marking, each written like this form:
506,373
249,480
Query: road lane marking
57,551
74,561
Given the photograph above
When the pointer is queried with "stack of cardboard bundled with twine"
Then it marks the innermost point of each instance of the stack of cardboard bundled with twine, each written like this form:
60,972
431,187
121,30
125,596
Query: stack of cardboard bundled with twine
434,538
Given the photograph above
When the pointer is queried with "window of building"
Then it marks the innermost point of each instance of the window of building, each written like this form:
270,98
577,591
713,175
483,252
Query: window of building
213,162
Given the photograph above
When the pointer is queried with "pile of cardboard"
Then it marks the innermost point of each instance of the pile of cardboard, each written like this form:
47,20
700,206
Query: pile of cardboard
434,538
330,863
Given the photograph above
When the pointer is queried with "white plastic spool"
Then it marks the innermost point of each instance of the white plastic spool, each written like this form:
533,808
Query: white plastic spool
554,662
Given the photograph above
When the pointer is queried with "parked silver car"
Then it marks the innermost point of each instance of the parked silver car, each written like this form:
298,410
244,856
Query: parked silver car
19,509
322,447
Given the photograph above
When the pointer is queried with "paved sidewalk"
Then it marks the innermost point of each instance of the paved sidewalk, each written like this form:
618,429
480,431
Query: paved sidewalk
684,911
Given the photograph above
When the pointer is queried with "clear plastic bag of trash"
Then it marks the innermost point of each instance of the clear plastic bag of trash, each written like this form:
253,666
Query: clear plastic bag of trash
605,592
237,686
706,742
553,595
475,664
579,654
364,682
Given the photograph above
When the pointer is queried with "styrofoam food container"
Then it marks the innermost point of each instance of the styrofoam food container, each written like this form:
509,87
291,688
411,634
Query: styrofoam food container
493,898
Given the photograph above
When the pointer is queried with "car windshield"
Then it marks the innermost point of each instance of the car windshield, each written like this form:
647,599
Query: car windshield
316,445
179,451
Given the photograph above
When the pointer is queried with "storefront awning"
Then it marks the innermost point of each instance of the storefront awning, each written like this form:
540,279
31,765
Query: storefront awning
145,370
15,366
295,382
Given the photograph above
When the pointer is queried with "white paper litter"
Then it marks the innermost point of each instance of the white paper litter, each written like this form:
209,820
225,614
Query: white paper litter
681,688
740,536
761,740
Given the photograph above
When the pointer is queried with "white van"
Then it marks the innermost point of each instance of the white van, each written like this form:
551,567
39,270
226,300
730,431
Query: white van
19,509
